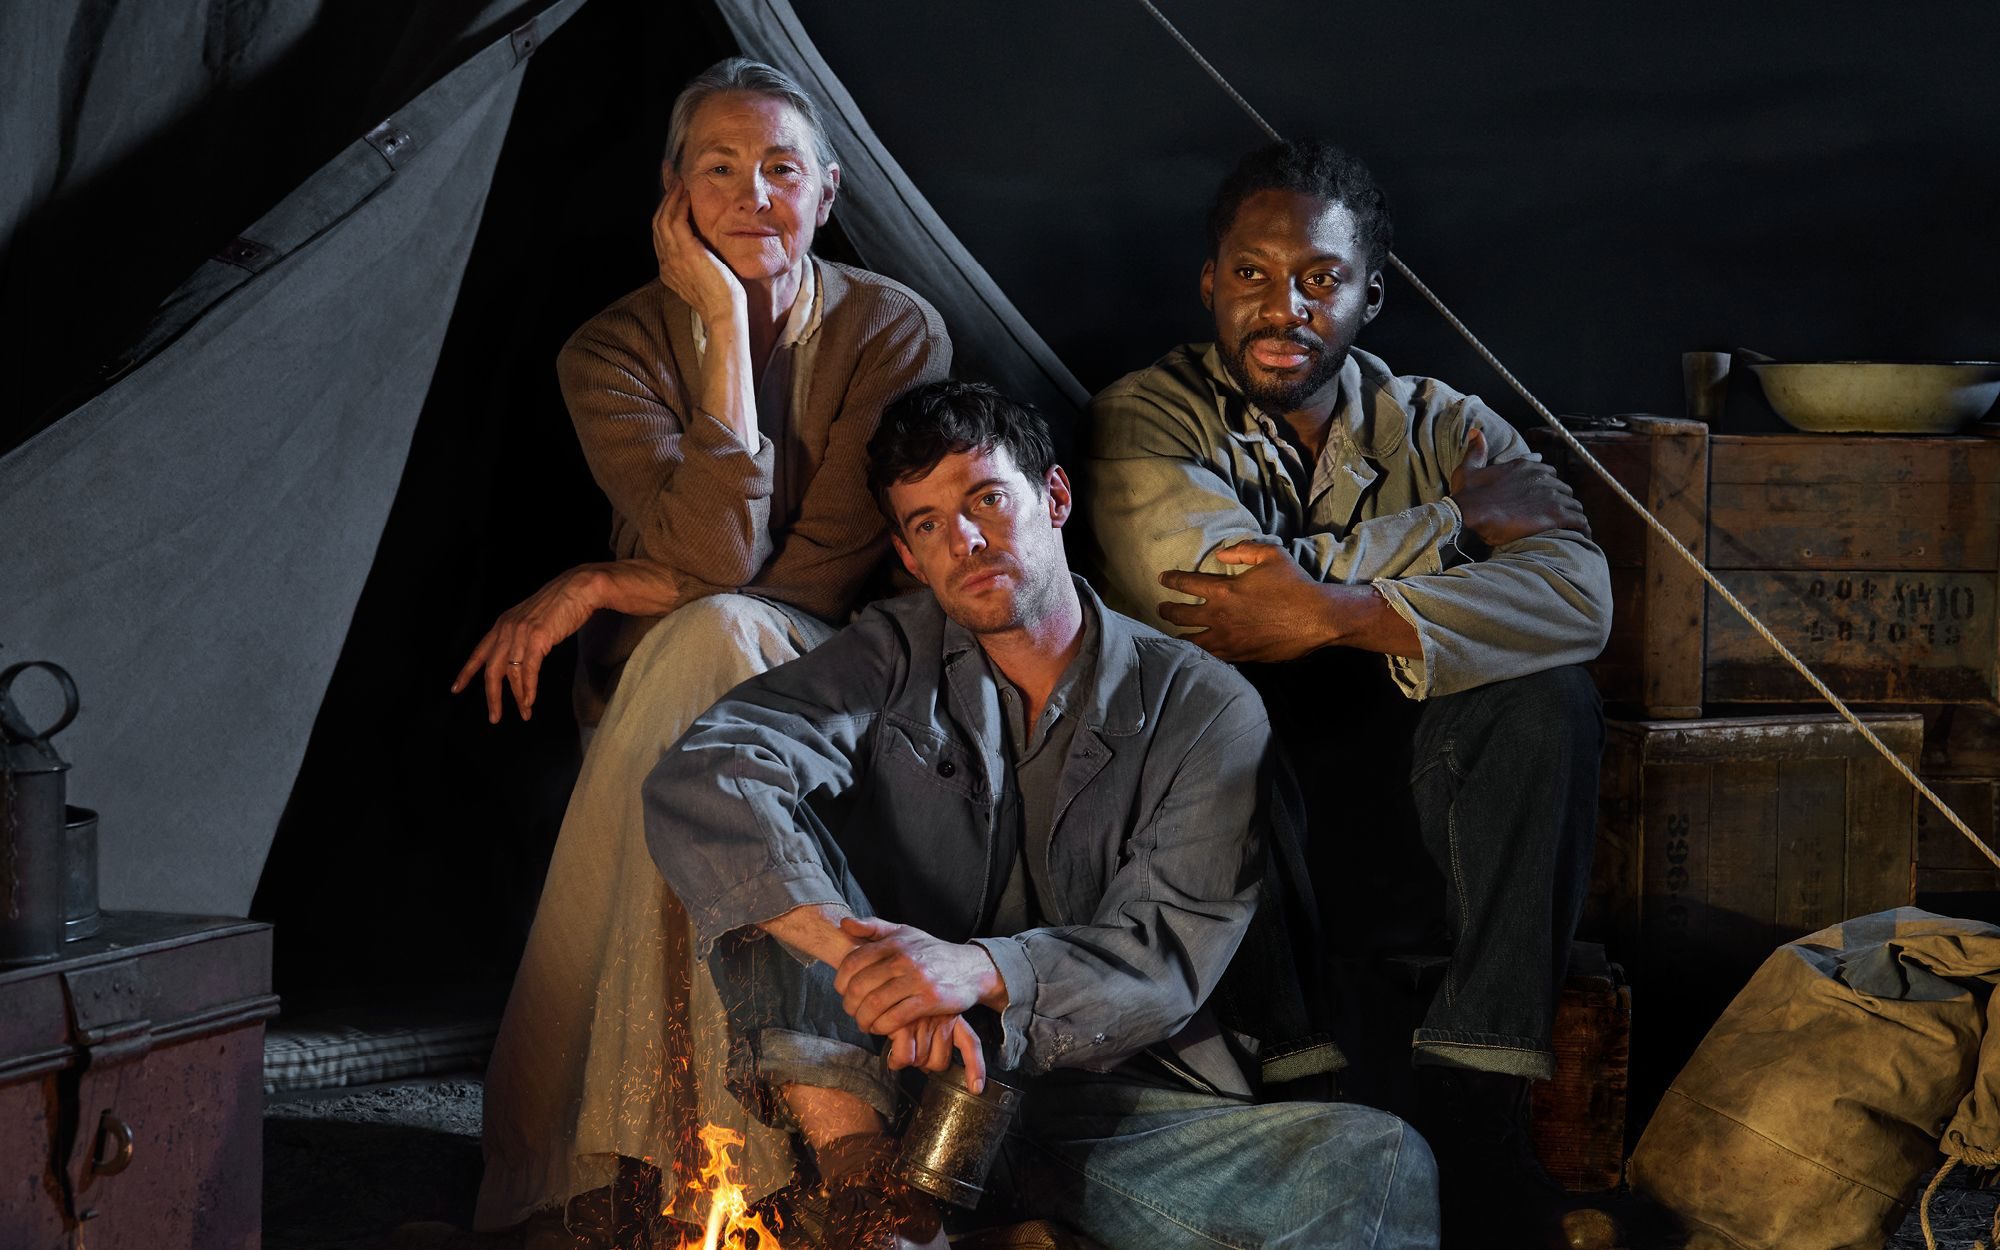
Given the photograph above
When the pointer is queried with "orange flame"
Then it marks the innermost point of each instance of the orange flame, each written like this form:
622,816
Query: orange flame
729,1222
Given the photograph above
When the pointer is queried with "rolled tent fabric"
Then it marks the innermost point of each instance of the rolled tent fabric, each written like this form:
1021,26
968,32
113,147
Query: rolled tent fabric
897,232
190,542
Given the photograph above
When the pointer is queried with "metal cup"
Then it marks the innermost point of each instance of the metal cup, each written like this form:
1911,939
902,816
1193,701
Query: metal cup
956,1136
1705,379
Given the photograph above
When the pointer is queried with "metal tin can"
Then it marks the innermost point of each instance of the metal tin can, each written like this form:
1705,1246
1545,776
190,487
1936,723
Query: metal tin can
956,1136
81,919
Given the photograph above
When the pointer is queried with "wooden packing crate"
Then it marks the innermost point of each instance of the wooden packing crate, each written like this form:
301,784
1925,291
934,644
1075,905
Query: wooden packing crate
1962,763
1654,657
1719,840
1875,558
1578,1119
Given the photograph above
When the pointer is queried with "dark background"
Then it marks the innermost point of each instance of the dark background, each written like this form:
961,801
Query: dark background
1595,189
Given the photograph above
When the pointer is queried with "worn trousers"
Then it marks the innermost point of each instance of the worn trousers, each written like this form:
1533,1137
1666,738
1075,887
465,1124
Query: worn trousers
1132,1162
1455,831
612,1039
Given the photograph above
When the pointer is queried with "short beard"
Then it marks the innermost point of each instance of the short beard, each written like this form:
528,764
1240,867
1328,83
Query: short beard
1280,397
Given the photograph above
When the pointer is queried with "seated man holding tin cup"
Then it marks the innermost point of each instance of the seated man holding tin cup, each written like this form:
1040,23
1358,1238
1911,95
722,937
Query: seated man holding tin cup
997,821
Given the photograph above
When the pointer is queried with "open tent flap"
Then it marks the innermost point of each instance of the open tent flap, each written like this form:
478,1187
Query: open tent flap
190,542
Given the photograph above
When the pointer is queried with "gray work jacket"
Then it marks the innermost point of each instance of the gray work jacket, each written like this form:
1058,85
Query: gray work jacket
879,761
1182,464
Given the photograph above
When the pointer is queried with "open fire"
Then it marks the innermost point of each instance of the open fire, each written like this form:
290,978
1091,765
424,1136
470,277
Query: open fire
715,1200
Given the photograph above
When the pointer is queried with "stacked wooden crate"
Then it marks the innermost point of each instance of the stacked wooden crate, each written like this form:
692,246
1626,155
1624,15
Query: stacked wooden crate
1875,559
1737,812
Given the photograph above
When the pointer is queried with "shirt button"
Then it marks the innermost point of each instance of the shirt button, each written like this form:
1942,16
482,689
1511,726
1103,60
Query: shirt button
946,768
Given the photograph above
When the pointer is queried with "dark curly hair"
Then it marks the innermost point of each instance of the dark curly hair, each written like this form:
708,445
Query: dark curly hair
943,418
1309,168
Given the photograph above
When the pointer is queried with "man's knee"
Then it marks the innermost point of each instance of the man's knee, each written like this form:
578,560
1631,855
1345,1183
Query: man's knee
1380,1170
1547,720
715,642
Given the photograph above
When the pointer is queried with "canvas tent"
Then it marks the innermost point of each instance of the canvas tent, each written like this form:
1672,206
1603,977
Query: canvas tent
328,251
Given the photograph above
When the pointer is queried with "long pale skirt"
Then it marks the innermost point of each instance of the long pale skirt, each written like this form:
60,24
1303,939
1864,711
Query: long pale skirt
614,1041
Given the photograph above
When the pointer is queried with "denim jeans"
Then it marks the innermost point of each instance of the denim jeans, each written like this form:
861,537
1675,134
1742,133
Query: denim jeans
1135,1164
1478,866
1139,1166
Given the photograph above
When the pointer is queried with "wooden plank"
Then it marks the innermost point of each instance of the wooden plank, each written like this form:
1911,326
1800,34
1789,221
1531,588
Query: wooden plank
1676,597
1811,799
1613,908
1956,881
1881,835
1743,886
1939,845
1810,735
1674,812
1961,740
1619,669
1855,525
1617,530
1877,636
1815,458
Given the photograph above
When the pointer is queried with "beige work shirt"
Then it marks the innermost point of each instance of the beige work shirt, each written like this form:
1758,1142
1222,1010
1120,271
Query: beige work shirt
1181,464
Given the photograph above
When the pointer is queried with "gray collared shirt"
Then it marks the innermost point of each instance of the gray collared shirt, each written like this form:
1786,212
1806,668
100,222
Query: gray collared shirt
1181,464
1038,753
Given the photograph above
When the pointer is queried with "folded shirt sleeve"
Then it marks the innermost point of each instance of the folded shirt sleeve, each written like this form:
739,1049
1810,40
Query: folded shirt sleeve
697,498
1157,500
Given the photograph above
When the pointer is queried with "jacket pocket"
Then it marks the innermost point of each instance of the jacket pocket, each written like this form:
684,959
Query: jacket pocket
910,754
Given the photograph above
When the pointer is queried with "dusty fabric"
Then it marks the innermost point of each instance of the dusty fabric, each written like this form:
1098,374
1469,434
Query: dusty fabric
1182,464
612,1038
790,520
1814,1106
190,543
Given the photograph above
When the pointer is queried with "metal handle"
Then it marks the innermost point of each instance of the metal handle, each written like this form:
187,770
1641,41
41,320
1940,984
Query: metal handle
13,727
121,1152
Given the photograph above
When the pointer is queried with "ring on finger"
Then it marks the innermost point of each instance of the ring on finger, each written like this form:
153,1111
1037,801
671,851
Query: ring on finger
513,664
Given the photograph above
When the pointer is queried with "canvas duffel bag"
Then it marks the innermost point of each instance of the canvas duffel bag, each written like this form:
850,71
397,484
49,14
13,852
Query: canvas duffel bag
1817,1102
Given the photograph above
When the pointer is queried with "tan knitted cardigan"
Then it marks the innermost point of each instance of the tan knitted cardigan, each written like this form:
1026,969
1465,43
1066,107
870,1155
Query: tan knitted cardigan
684,492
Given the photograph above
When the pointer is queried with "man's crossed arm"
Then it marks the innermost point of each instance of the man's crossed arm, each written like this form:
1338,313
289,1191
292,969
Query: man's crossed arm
1275,610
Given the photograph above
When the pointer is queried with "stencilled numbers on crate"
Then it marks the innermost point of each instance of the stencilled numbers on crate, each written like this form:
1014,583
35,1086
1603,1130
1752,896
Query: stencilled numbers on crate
1924,612
1895,635
1676,851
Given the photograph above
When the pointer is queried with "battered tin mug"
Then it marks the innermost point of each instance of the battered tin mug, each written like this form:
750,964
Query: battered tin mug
956,1136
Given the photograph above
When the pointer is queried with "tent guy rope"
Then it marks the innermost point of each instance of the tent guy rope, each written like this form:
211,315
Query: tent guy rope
1577,447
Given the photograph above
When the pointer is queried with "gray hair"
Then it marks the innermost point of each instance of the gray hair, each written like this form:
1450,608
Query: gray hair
740,73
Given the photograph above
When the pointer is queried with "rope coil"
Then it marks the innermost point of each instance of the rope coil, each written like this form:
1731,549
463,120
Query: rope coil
1956,1153
1577,448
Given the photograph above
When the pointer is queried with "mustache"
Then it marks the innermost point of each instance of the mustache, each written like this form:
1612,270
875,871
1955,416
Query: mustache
1297,336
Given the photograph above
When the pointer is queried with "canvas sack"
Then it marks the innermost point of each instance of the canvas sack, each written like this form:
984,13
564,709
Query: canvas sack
1816,1103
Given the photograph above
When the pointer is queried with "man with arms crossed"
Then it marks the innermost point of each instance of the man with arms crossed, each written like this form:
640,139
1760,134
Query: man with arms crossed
999,810
1413,592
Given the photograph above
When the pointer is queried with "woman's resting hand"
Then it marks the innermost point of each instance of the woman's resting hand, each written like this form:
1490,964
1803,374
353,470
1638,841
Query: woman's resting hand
513,650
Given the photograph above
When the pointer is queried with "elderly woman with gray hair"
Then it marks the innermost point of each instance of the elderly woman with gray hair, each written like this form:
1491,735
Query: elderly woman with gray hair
725,411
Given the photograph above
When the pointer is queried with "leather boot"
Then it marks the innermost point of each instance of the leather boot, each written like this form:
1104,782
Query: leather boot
869,1207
